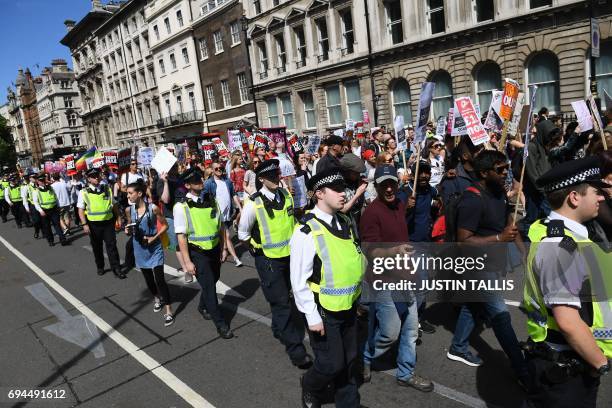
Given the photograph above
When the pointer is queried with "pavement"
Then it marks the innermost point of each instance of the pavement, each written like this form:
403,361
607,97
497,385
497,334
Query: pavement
96,342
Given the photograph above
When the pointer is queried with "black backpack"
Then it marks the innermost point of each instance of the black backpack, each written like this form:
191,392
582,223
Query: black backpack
450,212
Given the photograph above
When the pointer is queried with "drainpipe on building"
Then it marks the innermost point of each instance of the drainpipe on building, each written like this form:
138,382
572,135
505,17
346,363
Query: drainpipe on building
370,63
244,21
195,47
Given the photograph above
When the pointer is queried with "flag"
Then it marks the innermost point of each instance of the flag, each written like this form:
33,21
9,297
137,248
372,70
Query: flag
533,89
87,157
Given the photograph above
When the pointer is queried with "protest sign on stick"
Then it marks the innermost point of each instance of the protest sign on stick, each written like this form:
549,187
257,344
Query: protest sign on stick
416,170
163,160
110,158
314,141
583,115
400,133
474,128
124,157
597,121
427,90
511,91
145,155
70,167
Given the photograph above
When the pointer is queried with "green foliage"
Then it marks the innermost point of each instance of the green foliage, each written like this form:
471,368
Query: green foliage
8,157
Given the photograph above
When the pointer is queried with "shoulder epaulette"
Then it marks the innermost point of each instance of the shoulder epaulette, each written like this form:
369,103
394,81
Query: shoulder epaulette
304,221
555,228
568,244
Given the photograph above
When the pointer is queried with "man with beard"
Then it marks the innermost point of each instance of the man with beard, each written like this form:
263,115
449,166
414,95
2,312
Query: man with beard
484,218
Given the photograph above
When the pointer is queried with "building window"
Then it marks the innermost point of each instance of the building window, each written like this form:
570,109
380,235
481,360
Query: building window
67,102
235,31
348,37
323,39
281,55
309,109
179,17
334,107
185,55
142,79
287,111
210,96
539,3
393,12
130,58
257,6
168,106
603,69
162,68
179,103
126,27
134,82
167,24
275,3
192,102
400,94
243,87
300,46
218,42
488,78
543,71
139,115
172,61
152,76
484,10
353,100
263,59
72,120
203,49
149,112
443,93
75,138
436,16
272,111
156,32
225,92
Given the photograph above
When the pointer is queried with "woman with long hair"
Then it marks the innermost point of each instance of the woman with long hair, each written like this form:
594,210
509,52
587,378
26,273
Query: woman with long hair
248,185
144,219
434,153
236,175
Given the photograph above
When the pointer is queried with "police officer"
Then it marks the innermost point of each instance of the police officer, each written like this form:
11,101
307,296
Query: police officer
25,205
267,224
197,223
98,212
567,293
45,203
326,272
12,196
34,215
4,207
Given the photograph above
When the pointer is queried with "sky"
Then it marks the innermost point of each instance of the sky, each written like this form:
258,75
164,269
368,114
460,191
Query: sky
30,33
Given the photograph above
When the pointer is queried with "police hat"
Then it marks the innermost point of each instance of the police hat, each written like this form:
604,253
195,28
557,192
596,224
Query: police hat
192,176
92,173
268,166
572,173
328,178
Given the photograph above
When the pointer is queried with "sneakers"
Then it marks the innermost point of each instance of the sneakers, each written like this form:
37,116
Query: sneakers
466,358
157,306
225,332
238,263
168,319
417,382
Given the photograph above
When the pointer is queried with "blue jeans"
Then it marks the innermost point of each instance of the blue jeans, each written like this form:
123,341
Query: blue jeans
385,327
537,206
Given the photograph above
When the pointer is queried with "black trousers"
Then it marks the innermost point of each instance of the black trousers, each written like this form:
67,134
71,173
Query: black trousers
103,232
156,282
208,271
130,261
4,207
335,358
577,392
275,285
35,217
18,213
52,218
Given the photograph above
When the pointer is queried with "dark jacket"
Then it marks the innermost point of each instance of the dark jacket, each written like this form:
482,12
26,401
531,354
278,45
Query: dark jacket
537,162
327,162
458,184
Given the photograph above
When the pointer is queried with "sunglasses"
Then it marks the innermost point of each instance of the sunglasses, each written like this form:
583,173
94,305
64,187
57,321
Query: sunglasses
217,169
133,164
501,169
437,146
256,161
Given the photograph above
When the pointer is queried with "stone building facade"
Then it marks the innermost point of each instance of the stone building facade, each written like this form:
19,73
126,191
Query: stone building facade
20,137
26,111
225,72
59,108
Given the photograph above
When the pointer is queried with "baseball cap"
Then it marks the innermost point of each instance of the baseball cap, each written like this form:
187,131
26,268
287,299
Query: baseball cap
385,172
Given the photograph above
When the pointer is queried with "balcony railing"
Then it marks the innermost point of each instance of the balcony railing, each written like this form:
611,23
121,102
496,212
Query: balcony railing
180,119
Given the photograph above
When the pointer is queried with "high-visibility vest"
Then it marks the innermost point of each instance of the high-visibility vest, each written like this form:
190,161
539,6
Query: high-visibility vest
31,189
342,267
274,231
599,264
3,186
98,206
15,194
203,225
46,198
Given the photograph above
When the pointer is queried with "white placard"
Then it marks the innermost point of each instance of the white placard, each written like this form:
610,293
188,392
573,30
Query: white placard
583,114
145,155
163,160
299,196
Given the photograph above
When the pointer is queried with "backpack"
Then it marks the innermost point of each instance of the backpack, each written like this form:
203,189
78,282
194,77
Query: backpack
450,212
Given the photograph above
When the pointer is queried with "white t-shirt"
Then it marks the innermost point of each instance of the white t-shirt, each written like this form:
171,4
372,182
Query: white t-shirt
61,192
223,200
131,178
437,171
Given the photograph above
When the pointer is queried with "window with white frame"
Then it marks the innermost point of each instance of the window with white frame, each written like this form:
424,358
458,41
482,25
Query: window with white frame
192,101
235,32
130,57
149,112
173,61
72,120
225,92
334,106
243,87
287,111
257,6
263,59
323,39
543,71
393,15
152,76
353,100
603,72
272,111
484,10
348,36
400,94
210,97
488,78
179,17
168,105
162,67
156,32
167,24
218,38
75,138
134,82
179,102
203,48
139,115
67,101
443,93
436,16
281,55
185,55
300,46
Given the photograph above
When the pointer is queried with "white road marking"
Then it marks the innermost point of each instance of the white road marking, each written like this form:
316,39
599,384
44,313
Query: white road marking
179,387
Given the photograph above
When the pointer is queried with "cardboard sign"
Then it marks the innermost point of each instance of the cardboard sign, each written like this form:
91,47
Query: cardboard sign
220,146
314,142
585,121
400,133
295,144
70,167
208,150
110,158
596,114
508,102
440,126
516,116
427,90
366,116
260,141
180,153
299,196
339,132
163,160
350,124
124,157
459,126
145,156
234,139
474,128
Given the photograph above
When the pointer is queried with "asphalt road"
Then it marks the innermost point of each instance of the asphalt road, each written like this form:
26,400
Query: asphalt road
97,342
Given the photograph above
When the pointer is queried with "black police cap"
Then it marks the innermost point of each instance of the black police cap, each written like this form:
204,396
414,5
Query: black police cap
571,173
327,178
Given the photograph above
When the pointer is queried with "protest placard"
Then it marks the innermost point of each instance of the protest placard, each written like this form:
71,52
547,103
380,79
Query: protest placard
508,102
96,163
493,121
400,133
450,119
70,167
585,121
440,126
459,126
145,155
513,127
299,196
366,117
474,128
124,156
110,158
234,139
295,145
427,90
222,150
163,160
314,141
208,151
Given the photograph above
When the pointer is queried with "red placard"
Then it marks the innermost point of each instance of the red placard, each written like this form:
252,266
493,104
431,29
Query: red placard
474,128
511,91
295,144
220,146
208,150
110,158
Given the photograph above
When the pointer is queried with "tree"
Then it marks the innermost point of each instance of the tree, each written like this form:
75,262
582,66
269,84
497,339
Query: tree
8,156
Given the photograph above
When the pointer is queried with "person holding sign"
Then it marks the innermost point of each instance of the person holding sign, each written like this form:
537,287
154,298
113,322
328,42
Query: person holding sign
266,225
